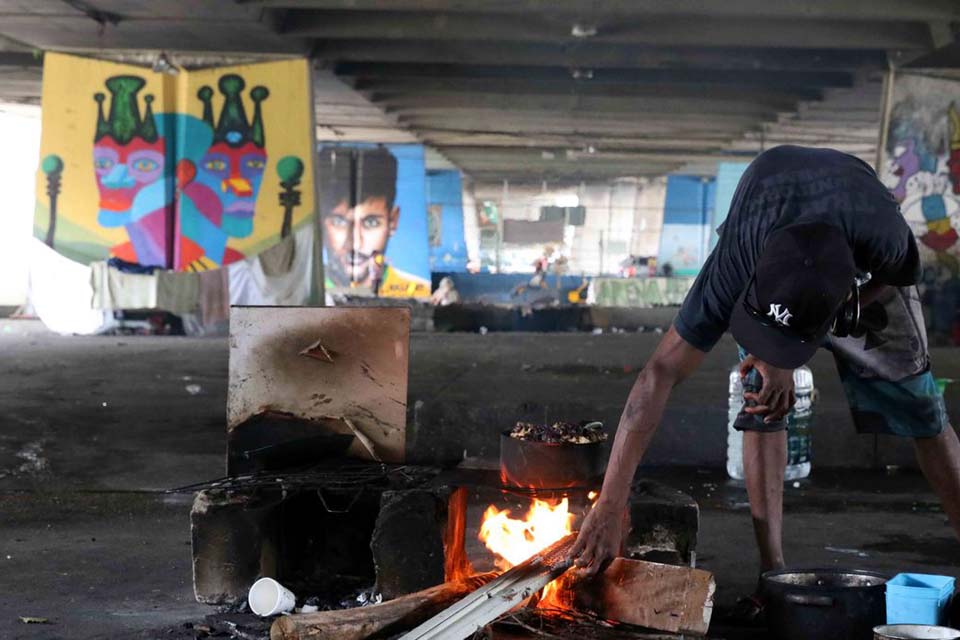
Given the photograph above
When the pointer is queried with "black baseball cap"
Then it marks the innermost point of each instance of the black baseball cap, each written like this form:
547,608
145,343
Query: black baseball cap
803,275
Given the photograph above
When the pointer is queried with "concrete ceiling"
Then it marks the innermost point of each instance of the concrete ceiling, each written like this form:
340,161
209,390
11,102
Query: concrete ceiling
532,90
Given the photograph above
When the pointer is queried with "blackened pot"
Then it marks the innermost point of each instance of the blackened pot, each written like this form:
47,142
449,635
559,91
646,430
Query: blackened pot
824,604
548,465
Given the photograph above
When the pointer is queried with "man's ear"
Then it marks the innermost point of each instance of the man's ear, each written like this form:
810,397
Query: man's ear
394,219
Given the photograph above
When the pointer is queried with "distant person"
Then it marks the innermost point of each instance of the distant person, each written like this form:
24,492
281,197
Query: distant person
446,293
537,280
358,189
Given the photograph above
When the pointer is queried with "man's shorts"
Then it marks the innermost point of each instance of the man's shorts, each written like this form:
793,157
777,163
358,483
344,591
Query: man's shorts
886,375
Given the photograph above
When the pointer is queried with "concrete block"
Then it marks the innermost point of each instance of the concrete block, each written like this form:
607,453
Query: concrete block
408,541
234,543
664,523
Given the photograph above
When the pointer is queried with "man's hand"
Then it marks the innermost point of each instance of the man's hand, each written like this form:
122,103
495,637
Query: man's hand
776,397
599,539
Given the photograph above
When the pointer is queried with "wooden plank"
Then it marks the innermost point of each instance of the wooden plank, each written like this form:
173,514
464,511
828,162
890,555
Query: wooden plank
647,594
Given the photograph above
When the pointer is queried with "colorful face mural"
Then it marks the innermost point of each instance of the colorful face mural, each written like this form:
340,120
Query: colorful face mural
233,166
367,243
923,173
173,171
954,160
129,163
221,179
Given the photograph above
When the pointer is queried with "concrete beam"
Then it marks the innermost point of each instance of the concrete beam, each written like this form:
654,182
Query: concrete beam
664,31
634,105
573,175
596,55
699,77
517,87
566,77
364,134
83,34
21,59
601,143
581,129
565,113
578,103
576,128
896,10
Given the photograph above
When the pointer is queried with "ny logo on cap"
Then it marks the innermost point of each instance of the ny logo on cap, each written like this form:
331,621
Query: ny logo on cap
781,317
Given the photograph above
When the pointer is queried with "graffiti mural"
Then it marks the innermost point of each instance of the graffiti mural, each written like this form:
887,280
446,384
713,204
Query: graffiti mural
191,172
129,160
922,169
374,218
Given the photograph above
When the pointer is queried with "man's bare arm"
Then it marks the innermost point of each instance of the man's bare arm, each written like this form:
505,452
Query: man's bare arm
673,360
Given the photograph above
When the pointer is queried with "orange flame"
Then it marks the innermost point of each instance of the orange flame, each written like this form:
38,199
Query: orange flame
513,540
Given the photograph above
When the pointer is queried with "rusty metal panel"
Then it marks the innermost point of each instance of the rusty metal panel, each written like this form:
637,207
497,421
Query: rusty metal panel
345,368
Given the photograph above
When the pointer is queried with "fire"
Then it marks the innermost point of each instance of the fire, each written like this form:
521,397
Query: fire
513,540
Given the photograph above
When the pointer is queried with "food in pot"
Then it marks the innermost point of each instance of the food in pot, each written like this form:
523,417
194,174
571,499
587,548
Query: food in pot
560,432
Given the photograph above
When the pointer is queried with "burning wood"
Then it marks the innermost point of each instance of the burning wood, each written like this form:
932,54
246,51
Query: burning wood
488,603
379,619
655,596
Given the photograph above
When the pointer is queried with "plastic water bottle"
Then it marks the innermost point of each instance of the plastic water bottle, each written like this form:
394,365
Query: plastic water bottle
800,426
799,423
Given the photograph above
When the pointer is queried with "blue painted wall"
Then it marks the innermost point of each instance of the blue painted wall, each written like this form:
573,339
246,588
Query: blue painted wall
687,213
444,191
728,176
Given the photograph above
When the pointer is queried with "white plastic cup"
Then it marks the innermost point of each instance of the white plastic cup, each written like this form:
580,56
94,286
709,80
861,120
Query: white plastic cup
268,597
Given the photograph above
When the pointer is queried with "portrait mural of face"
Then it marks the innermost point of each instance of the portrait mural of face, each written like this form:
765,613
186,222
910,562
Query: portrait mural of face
129,160
357,199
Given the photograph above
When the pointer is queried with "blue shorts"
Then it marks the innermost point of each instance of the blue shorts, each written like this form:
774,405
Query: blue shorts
885,375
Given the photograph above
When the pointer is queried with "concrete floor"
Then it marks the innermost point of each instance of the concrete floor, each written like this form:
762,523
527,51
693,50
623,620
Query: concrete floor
94,429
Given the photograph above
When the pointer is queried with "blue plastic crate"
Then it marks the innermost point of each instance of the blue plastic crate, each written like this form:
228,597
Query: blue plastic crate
917,598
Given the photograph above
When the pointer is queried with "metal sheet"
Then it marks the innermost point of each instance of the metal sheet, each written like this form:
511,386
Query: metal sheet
366,382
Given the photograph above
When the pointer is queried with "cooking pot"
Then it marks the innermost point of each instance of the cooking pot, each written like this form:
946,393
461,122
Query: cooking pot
823,604
914,632
550,465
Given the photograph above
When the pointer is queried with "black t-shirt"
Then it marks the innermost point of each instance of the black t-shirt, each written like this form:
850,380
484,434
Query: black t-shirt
788,185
